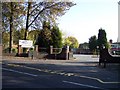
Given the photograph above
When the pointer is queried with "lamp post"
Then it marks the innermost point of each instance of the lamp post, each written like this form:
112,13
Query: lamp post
97,51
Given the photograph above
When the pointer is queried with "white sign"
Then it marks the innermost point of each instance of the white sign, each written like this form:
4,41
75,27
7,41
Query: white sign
26,43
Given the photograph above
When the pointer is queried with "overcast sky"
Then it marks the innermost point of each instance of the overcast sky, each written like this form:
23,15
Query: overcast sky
85,19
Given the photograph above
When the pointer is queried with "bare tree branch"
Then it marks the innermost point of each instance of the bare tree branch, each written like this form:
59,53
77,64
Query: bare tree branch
41,12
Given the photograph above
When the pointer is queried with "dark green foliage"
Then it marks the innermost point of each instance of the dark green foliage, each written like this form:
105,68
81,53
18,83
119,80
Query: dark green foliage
32,35
49,37
56,37
6,50
18,35
5,39
44,38
102,39
93,43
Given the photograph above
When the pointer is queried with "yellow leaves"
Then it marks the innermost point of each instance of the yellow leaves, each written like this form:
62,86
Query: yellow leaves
71,41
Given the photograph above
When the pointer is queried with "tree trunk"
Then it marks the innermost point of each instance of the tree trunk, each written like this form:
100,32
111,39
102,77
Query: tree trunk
27,24
11,26
27,21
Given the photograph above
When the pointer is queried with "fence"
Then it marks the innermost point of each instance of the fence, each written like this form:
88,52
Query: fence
52,53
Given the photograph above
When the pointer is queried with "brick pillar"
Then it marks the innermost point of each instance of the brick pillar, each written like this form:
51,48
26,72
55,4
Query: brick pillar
36,48
19,49
67,52
35,53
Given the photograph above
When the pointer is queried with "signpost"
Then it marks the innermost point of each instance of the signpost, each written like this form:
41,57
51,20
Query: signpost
26,43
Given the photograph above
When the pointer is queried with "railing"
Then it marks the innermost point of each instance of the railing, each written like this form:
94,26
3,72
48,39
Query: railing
43,50
57,50
52,53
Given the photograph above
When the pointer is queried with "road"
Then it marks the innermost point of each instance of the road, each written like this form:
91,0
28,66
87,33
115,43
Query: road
58,74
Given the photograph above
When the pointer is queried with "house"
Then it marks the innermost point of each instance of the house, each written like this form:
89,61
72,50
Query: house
83,49
115,48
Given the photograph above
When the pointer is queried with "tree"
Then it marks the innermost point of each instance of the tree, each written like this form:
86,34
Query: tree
72,42
49,36
27,20
10,14
44,38
47,10
93,43
32,35
56,37
5,39
102,39
18,35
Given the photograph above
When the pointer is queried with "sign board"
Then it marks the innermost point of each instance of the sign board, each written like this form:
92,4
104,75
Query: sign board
26,43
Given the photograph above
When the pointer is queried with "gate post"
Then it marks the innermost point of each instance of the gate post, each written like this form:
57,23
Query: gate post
36,48
35,52
51,49
67,53
19,50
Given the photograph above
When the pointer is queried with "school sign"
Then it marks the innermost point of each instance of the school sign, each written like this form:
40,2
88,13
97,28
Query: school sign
26,43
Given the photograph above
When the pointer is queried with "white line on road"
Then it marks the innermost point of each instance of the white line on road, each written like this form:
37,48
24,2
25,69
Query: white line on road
66,74
20,72
84,85
99,80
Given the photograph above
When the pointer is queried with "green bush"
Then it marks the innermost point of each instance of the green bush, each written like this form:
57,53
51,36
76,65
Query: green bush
6,50
14,50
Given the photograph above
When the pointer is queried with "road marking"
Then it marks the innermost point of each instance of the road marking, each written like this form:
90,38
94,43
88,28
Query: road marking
97,79
20,72
71,74
65,74
84,85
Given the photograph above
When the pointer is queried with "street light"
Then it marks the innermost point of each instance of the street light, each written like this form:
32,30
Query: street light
97,51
